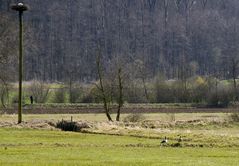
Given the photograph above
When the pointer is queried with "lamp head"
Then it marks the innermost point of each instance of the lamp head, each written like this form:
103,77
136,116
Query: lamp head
19,7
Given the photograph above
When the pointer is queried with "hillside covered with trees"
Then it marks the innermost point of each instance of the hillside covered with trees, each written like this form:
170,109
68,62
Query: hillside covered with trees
137,44
176,38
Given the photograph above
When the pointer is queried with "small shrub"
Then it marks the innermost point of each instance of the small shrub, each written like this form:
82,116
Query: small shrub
71,126
171,117
220,98
59,96
39,90
134,92
91,95
234,117
87,99
134,118
164,93
14,99
4,94
75,92
199,92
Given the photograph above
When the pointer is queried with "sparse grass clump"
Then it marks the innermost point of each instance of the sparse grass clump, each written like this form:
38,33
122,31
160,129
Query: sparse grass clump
71,126
171,117
60,95
234,117
137,117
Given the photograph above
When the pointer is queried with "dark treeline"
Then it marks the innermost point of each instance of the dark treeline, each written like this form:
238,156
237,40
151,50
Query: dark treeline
174,38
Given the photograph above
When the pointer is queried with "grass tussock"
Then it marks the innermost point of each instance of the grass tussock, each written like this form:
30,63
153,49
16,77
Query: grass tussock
71,126
136,117
234,117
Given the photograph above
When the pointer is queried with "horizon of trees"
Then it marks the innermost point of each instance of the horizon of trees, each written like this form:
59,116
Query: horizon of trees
175,38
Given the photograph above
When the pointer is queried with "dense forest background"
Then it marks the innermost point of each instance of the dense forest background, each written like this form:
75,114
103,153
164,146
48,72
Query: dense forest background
174,38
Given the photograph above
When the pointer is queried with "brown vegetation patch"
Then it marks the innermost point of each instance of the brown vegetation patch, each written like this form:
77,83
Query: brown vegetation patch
34,124
139,129
72,126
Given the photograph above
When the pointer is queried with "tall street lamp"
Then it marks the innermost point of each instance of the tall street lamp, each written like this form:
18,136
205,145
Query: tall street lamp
20,7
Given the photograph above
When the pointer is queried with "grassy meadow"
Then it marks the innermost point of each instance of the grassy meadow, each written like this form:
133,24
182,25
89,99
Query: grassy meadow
41,147
215,143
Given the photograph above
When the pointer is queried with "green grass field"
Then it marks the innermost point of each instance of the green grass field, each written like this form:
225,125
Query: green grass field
43,147
215,143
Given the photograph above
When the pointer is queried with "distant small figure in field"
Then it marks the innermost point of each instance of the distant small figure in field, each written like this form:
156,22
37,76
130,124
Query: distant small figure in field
180,139
31,99
164,141
5,148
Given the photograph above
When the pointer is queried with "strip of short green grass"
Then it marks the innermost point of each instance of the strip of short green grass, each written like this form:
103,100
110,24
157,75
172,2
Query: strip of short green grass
43,147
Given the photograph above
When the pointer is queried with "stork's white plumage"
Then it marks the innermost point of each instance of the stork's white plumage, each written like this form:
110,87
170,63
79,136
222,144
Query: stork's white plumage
20,4
164,141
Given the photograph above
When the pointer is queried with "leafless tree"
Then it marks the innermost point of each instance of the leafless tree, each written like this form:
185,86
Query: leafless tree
7,55
120,100
39,91
105,97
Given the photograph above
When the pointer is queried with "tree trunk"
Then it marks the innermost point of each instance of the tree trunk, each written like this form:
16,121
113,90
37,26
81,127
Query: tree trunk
120,99
234,66
101,87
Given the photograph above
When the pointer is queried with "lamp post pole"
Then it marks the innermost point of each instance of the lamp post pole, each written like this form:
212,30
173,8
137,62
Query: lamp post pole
20,7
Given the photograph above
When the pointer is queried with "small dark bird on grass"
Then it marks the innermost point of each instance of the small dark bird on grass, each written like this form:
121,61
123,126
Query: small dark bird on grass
164,141
180,139
5,148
